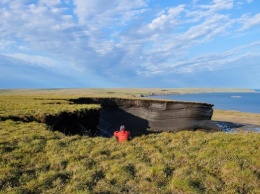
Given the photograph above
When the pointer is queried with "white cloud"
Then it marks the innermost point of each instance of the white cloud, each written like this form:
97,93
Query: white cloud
214,25
33,60
169,18
100,13
117,37
250,22
218,5
202,11
167,50
206,62
50,3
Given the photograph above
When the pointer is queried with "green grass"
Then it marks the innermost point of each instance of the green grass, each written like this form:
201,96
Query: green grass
37,108
112,92
34,159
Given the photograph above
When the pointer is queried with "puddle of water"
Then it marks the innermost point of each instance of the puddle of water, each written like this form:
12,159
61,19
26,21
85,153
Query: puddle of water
257,129
225,127
232,128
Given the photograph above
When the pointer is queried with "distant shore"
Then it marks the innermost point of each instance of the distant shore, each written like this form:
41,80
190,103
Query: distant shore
130,92
219,115
195,90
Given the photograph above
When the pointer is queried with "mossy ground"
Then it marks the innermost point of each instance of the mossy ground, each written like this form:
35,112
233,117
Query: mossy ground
37,108
36,160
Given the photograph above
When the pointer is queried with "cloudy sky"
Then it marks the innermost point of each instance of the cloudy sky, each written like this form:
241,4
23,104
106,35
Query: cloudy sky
129,43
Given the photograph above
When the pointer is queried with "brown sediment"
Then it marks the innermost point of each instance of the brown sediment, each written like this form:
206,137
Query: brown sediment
142,116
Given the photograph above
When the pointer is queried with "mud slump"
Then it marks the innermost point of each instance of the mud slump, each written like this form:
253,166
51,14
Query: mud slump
143,116
140,116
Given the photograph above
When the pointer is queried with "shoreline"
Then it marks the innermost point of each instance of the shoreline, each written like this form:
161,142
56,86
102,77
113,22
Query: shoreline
232,121
228,116
186,98
230,127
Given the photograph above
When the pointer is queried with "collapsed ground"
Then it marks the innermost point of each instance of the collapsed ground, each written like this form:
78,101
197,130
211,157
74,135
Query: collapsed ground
102,116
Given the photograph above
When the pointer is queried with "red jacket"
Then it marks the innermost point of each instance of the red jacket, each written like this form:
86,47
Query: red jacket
122,135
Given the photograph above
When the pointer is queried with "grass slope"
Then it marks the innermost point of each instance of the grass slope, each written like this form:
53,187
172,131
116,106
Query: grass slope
36,160
25,107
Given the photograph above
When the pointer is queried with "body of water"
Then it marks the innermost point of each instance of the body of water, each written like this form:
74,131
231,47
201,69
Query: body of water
243,102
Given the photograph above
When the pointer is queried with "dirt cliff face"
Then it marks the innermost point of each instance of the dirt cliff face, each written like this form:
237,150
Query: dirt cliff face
140,116
145,116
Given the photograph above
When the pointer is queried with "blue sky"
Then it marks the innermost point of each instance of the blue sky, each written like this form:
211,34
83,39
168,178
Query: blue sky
129,43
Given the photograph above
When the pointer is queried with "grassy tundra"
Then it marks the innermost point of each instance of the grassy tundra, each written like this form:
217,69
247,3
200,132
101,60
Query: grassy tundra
36,160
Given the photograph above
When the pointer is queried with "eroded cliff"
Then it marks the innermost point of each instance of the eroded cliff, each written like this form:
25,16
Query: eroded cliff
142,116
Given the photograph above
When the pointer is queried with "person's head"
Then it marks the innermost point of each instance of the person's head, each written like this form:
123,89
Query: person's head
122,127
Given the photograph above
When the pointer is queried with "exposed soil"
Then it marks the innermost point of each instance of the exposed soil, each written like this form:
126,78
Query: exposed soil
133,114
80,123
73,123
143,116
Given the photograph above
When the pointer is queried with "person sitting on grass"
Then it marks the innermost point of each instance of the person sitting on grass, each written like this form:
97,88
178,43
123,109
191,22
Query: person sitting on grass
122,135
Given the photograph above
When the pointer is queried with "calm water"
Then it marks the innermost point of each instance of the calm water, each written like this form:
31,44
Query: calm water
244,102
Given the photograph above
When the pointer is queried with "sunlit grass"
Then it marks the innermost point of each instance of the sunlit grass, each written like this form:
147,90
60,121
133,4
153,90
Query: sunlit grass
112,92
236,117
31,108
34,159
